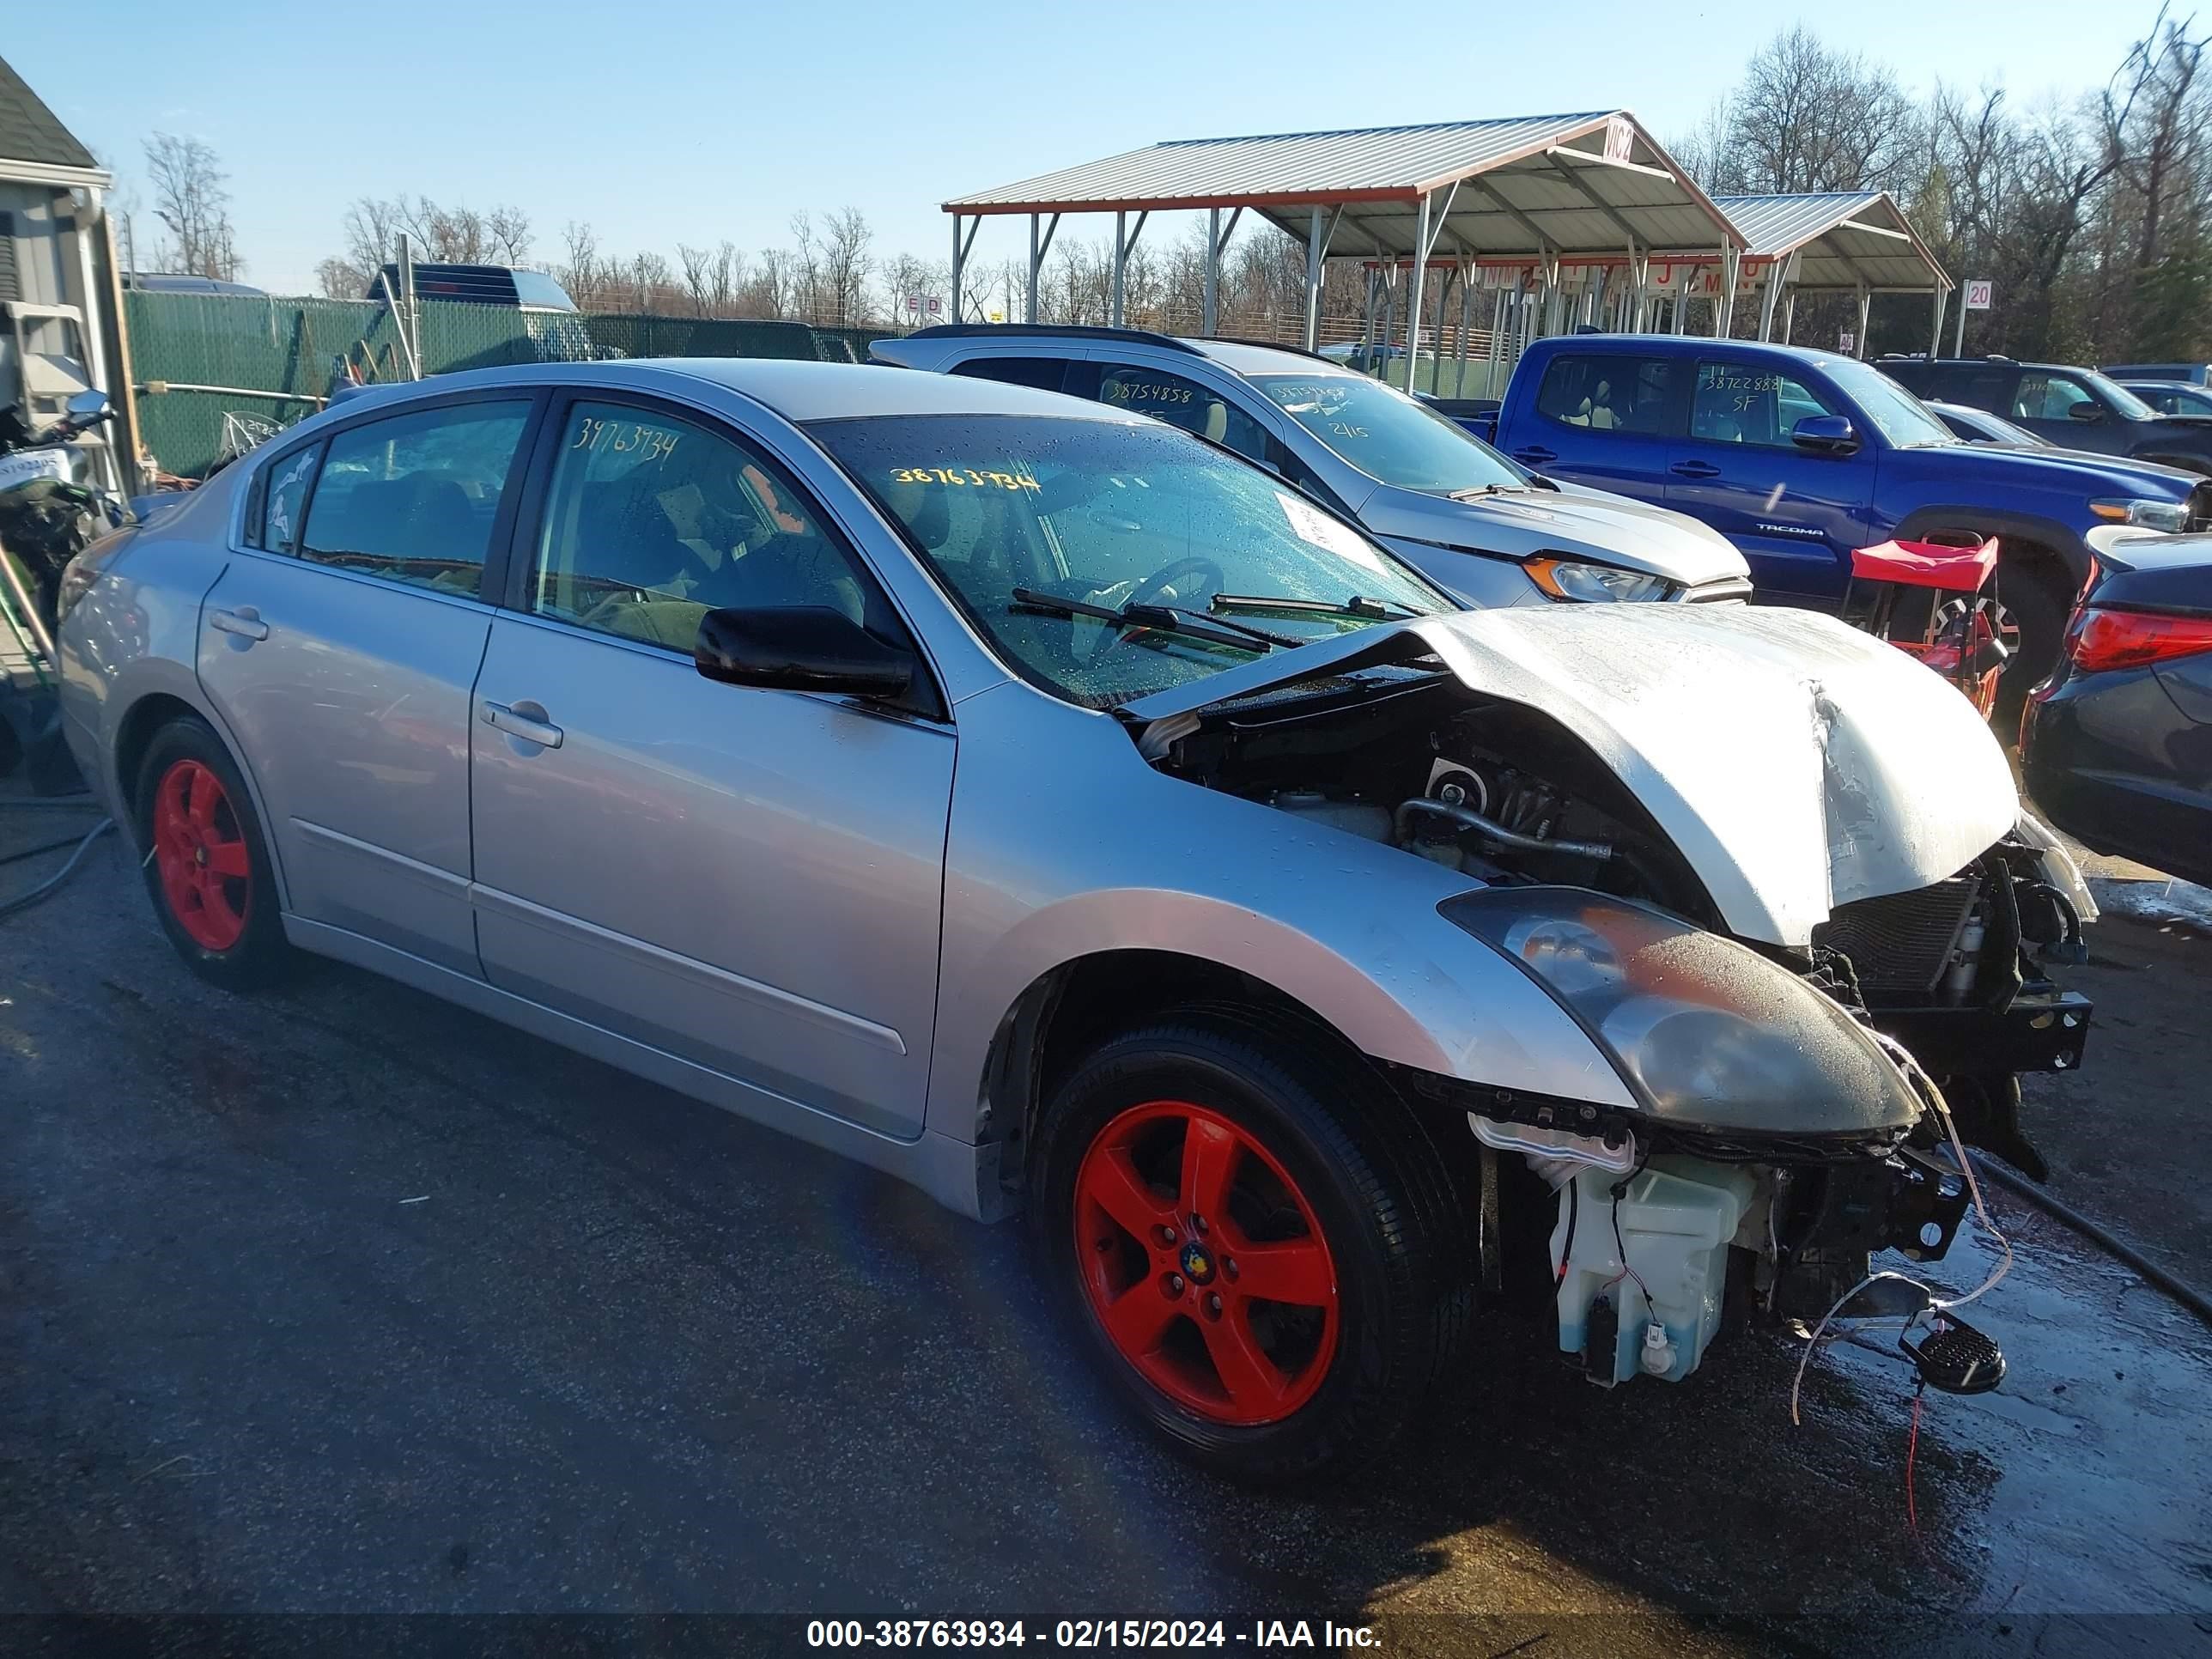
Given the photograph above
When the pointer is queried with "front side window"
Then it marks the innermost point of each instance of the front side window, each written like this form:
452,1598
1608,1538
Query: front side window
413,498
2049,397
287,489
652,521
1036,525
1608,392
1742,402
1180,402
1390,437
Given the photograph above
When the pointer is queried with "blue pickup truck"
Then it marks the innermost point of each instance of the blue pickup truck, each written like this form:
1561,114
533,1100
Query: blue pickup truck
1798,457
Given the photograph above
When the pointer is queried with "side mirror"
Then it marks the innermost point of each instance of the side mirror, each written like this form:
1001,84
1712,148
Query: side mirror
799,648
87,409
2085,411
1825,434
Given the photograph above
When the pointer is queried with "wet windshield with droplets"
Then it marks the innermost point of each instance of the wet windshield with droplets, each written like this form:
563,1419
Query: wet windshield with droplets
1023,518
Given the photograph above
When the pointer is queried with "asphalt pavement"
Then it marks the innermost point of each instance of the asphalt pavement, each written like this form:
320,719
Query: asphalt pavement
338,1300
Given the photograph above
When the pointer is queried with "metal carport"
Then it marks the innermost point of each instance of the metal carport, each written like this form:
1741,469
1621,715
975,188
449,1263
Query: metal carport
1833,242
1530,193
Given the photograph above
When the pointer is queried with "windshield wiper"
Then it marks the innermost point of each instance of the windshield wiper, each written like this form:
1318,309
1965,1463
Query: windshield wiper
1167,618
1366,609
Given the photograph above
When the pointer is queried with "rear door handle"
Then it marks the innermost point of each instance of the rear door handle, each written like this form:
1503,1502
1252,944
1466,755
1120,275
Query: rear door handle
1694,470
245,622
526,720
1535,453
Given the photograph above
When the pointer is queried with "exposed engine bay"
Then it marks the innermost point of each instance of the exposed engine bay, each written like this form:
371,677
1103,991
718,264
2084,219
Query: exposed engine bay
1641,1227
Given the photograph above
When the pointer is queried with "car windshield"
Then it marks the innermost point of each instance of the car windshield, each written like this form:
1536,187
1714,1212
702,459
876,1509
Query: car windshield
1389,436
1994,428
1898,416
1046,529
2130,406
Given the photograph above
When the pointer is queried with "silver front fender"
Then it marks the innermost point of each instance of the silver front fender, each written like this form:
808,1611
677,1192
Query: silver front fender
1064,844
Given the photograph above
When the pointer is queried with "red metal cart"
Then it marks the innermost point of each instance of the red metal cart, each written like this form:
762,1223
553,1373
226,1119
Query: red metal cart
1937,600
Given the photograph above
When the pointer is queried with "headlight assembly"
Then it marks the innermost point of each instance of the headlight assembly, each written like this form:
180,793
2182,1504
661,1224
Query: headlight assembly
1708,1035
1568,579
2150,515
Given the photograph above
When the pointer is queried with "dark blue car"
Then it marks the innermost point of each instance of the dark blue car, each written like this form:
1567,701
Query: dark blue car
1798,457
2116,746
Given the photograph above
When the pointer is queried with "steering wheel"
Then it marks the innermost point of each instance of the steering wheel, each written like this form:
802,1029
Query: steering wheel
1162,580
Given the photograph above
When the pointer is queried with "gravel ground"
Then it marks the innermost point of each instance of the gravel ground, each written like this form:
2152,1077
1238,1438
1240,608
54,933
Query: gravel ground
340,1301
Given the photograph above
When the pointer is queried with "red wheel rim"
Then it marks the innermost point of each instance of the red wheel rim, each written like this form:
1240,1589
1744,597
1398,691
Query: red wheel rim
1204,1264
199,851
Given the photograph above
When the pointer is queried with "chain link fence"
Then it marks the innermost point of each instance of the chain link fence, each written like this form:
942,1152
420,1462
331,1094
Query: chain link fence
212,371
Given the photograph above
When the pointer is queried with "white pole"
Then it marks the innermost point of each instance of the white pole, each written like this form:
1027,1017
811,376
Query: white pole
1121,258
1211,302
1413,295
959,261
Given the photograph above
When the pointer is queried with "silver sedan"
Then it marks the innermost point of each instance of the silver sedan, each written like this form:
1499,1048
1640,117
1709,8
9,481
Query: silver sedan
1044,806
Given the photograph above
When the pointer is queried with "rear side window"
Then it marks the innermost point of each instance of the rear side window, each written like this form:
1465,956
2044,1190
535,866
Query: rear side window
1183,403
283,492
1045,373
413,499
1609,393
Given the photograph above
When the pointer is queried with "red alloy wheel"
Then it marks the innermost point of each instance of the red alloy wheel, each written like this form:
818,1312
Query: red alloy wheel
1222,1294
199,851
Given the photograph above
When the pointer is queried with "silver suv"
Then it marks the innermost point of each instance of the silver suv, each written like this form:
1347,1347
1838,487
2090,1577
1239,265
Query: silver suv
1484,527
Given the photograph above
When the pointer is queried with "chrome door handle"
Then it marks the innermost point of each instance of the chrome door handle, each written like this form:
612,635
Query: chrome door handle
531,727
245,622
1694,470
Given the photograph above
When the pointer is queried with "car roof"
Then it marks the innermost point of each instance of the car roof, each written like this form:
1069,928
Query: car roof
1251,357
1814,355
796,390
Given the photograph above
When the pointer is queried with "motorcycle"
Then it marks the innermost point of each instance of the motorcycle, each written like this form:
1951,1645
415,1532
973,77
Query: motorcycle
50,508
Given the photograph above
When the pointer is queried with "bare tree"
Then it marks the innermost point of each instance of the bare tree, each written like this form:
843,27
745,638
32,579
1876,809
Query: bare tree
192,202
582,274
846,261
507,236
1810,118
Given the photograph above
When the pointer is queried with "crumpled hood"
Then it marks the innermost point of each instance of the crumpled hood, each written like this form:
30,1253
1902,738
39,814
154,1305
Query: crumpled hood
1796,763
1573,521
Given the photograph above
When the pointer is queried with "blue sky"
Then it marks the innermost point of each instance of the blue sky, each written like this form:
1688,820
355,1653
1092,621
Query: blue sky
661,121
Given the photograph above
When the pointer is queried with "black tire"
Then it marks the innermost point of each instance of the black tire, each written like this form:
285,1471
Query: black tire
1376,1184
260,950
2039,600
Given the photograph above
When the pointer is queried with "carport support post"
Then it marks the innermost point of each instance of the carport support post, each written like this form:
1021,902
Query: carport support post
1788,315
1859,339
1724,312
1496,342
1120,259
1367,317
1317,250
957,261
1414,293
1443,301
1959,332
1212,294
1769,291
1935,328
1466,316
1037,251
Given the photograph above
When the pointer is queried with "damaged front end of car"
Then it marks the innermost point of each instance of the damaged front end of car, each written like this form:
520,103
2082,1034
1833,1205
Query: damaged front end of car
1786,893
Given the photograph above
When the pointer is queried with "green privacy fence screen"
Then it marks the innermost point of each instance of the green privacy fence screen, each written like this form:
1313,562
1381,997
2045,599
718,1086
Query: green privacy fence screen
257,362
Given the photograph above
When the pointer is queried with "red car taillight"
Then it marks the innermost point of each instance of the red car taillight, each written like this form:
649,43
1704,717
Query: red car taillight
2099,639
